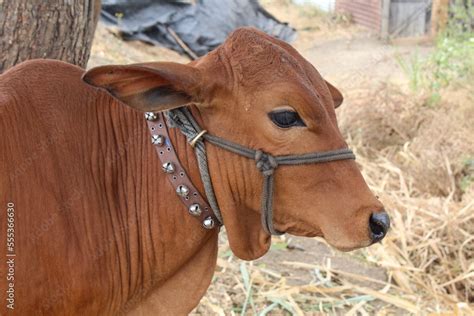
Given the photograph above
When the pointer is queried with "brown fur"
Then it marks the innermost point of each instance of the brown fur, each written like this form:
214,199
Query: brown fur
99,229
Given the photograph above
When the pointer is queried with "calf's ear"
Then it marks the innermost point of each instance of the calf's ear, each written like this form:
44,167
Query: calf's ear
149,87
336,95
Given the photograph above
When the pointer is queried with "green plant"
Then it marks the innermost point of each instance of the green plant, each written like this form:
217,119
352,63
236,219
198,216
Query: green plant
462,18
452,61
467,178
413,69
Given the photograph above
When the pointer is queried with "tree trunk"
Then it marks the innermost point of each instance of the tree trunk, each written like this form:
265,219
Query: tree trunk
439,16
55,29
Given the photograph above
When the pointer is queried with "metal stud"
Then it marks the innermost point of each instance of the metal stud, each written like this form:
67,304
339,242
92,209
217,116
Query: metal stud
157,140
195,210
168,167
182,190
150,116
208,223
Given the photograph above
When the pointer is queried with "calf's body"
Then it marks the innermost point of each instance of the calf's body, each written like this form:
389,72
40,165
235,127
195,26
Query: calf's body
98,229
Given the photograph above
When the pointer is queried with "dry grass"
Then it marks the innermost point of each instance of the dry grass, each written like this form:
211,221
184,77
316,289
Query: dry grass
416,173
431,144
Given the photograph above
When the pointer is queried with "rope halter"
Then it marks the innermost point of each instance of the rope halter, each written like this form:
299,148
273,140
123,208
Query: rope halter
265,162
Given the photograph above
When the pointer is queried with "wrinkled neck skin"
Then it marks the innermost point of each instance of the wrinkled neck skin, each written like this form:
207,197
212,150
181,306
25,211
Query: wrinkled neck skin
239,202
239,199
182,253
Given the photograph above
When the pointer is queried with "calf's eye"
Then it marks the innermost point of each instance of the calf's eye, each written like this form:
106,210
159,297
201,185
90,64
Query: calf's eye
286,118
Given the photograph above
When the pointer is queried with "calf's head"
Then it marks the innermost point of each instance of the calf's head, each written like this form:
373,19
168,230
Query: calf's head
258,91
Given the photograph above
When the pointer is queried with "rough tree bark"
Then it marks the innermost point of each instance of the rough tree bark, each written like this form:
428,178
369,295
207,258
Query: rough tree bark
56,29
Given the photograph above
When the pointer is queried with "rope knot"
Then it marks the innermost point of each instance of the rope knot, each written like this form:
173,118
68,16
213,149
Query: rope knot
265,163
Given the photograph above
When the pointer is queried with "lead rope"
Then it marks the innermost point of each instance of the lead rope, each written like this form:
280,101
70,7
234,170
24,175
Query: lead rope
265,162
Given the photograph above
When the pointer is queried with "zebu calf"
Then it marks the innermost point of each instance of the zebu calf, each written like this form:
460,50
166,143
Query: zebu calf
98,229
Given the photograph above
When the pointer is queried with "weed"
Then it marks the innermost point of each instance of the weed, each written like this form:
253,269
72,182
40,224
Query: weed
413,69
452,62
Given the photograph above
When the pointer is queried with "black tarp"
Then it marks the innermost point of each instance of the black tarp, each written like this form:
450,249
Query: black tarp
202,25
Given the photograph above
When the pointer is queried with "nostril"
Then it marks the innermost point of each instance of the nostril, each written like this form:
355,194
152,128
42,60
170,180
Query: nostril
377,228
379,223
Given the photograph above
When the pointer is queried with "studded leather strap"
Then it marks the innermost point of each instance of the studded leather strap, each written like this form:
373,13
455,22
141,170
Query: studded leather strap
177,176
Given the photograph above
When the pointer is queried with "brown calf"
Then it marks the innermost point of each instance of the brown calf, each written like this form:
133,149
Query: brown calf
98,230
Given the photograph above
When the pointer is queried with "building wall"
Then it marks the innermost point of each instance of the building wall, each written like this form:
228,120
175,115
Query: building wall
364,12
409,17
